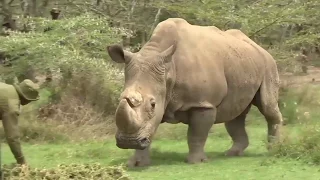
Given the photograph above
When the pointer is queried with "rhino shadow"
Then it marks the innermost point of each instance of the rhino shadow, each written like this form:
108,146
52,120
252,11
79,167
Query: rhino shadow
167,158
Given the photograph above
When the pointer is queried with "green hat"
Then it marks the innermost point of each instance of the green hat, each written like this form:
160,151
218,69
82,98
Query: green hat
28,89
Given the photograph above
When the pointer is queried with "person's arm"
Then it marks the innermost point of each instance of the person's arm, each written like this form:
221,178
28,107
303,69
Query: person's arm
11,130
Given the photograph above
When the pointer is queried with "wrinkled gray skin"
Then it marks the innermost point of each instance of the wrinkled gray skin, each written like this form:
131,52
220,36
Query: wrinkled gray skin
198,76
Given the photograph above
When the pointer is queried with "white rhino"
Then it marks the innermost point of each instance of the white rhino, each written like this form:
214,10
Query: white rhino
199,76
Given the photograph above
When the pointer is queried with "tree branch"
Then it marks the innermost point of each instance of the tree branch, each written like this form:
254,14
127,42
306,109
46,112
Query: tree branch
43,7
121,5
271,23
25,7
98,2
266,26
117,12
89,6
133,5
156,19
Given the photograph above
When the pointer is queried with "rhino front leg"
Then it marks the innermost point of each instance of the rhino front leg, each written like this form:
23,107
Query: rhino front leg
140,158
200,123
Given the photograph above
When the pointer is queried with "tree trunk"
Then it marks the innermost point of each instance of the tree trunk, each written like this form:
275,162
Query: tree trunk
43,8
98,2
33,8
25,8
9,22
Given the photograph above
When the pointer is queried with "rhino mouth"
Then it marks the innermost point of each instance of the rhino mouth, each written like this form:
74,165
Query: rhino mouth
125,142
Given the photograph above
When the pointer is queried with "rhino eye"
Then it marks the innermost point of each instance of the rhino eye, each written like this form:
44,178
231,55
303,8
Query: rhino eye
153,103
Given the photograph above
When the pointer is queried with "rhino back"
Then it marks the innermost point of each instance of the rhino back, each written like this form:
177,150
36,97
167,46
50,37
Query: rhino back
214,69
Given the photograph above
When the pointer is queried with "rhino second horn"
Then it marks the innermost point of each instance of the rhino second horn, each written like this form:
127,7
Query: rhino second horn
126,118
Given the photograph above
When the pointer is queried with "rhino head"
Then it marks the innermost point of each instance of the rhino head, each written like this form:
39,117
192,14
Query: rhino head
143,100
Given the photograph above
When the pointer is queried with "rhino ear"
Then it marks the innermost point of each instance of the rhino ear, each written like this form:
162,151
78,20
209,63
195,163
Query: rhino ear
118,54
167,54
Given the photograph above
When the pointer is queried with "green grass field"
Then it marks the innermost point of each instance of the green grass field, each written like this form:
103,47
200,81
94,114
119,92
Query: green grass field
168,156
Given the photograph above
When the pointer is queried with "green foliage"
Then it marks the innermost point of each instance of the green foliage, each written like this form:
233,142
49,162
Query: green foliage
286,26
281,27
85,83
304,146
285,59
64,172
63,44
299,109
73,49
297,104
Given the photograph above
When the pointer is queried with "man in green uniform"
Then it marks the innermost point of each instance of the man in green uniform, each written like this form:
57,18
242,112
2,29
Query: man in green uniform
11,98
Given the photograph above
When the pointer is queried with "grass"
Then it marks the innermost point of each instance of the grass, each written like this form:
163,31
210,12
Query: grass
168,156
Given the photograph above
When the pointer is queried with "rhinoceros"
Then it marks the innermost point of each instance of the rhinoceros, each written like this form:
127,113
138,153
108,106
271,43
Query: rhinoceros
199,76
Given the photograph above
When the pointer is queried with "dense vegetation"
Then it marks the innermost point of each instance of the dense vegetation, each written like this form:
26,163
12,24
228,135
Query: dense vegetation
62,171
80,85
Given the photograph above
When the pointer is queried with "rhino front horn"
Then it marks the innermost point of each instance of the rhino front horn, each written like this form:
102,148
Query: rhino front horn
126,118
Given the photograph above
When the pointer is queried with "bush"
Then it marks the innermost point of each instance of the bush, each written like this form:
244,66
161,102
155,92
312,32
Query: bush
295,103
303,146
72,171
60,44
85,84
285,59
300,111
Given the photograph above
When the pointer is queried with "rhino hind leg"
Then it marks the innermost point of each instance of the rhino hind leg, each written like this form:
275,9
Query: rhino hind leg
236,130
266,100
200,123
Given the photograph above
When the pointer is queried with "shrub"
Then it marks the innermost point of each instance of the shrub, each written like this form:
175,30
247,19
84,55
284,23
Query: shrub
62,171
85,83
298,105
72,47
303,146
295,103
285,59
301,136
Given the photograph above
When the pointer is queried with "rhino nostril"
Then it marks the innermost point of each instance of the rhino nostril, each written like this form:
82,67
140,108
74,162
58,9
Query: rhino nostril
144,140
129,102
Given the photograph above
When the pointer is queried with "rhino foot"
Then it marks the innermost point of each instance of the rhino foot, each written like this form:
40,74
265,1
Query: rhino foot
234,152
197,158
138,161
